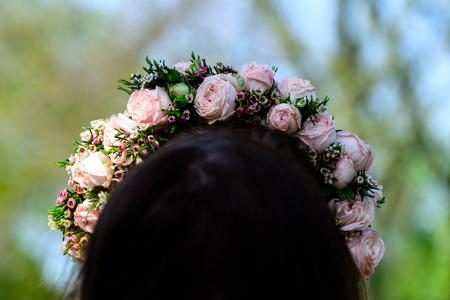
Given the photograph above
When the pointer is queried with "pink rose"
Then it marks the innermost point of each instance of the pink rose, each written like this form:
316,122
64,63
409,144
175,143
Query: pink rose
284,117
257,76
354,215
319,132
296,88
71,203
215,99
360,151
146,106
117,124
92,169
344,172
85,217
182,66
367,249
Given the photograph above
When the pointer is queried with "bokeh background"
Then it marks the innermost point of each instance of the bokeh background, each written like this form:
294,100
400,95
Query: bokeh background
385,64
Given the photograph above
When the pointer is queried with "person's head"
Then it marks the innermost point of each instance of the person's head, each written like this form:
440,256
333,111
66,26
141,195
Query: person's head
232,214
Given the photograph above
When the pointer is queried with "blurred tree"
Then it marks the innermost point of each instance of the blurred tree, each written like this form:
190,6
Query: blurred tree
59,66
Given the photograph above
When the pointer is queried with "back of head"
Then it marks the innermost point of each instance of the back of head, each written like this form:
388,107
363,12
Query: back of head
219,216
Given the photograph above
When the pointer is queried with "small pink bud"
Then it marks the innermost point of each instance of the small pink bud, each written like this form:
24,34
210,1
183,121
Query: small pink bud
63,193
59,200
239,111
71,203
78,189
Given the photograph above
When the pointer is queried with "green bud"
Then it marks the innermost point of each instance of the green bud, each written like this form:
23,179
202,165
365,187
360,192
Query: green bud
301,102
240,81
179,89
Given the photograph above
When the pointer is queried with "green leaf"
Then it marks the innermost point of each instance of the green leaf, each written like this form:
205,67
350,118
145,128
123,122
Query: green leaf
346,193
62,164
173,76
180,101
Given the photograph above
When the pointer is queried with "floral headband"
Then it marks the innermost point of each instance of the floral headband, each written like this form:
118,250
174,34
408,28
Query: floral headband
163,99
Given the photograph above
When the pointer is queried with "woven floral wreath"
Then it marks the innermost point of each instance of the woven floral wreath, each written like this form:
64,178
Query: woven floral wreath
164,99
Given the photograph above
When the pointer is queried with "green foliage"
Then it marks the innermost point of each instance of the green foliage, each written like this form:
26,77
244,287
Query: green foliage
310,106
157,74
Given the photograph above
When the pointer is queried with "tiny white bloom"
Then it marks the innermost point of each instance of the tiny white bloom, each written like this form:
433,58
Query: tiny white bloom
66,223
86,136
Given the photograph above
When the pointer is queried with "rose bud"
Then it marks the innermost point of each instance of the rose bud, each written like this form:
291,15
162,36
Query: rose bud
86,136
179,89
296,88
367,249
360,151
319,131
215,99
93,169
284,117
146,106
71,203
85,217
354,215
344,172
257,77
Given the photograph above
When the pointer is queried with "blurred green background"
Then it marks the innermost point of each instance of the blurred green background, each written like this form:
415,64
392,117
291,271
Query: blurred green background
385,64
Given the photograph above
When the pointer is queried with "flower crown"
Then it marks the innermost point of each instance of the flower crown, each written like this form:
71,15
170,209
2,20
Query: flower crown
164,99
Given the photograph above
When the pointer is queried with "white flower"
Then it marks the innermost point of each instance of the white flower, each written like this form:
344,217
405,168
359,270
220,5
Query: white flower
98,124
86,136
375,194
182,66
52,224
92,169
66,223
